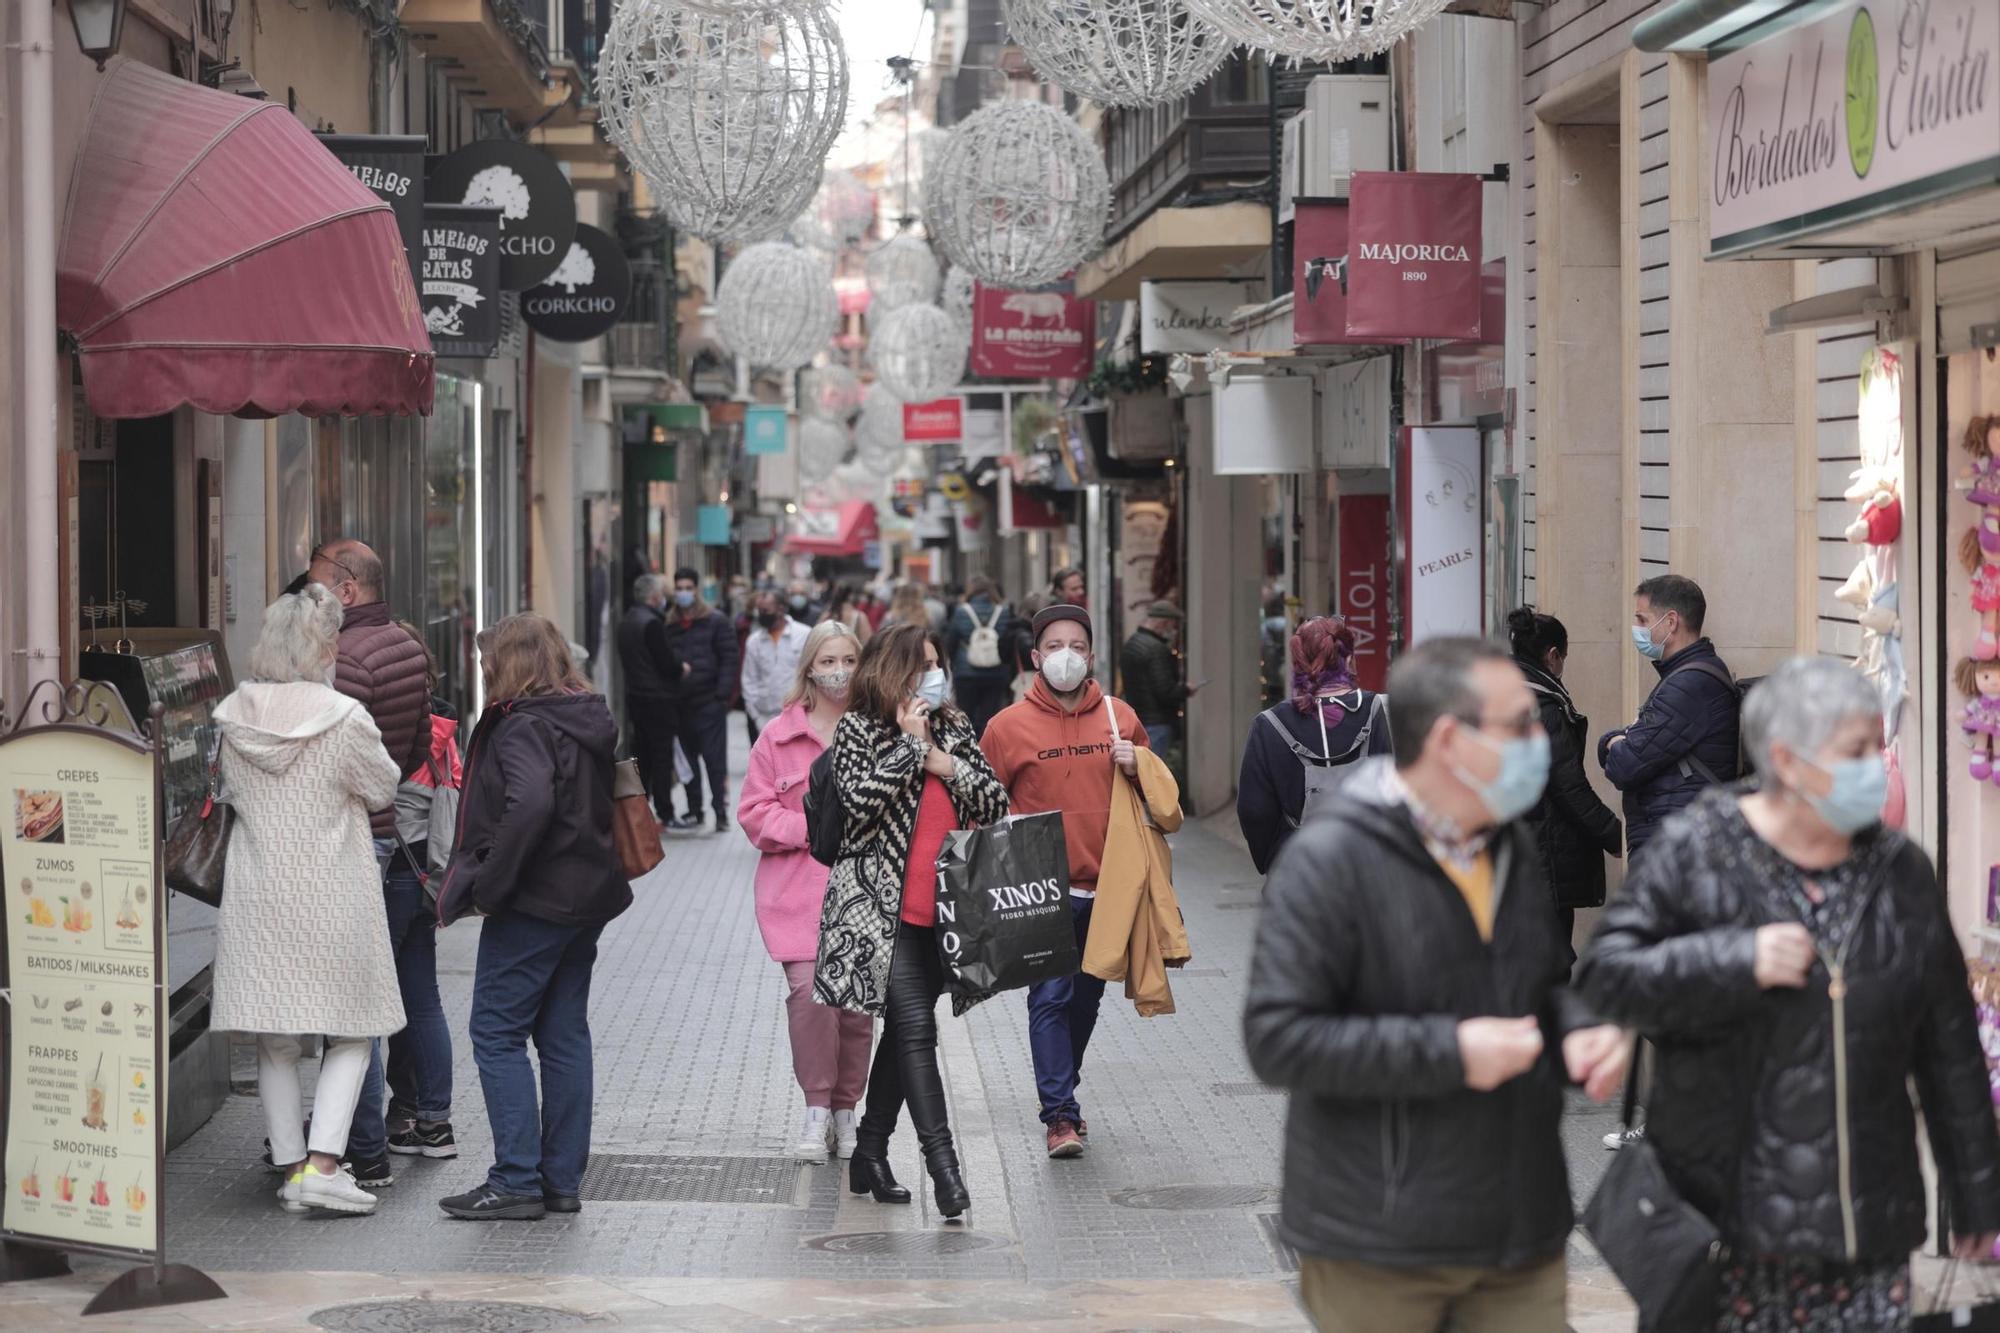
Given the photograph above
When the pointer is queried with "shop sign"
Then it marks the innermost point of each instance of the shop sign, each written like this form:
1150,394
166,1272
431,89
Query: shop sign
941,421
1319,255
1873,106
585,295
392,165
1413,256
459,278
765,429
537,206
1439,503
1031,335
1366,563
1263,424
1189,316
712,525
985,434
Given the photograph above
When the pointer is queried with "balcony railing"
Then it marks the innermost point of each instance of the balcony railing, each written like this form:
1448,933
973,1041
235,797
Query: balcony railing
644,341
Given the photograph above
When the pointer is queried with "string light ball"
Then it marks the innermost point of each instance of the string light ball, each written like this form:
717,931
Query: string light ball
842,213
919,352
902,271
1019,196
728,111
1318,30
822,447
830,393
775,306
1131,53
958,294
880,427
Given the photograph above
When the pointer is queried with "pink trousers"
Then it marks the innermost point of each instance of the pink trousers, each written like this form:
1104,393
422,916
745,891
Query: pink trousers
830,1047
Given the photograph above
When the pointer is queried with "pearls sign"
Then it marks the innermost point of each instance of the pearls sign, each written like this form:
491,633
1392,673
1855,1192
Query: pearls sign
727,110
775,306
1118,52
1318,30
919,353
1019,195
902,271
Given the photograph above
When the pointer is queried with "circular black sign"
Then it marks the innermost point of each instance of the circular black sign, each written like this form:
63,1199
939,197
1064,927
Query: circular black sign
585,295
537,206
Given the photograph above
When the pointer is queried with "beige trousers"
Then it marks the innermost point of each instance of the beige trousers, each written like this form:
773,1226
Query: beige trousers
1368,1298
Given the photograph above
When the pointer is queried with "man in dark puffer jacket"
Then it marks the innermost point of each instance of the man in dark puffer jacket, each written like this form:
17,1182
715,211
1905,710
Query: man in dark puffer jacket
705,640
1686,736
1408,988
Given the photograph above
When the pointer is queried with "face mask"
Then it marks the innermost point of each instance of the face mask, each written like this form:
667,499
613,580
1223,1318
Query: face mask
1064,669
769,619
1524,772
684,597
798,604
931,689
1860,788
833,684
1642,639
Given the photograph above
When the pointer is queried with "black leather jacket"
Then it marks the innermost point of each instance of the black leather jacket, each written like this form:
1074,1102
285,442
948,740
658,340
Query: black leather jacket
1801,1145
1573,828
1367,958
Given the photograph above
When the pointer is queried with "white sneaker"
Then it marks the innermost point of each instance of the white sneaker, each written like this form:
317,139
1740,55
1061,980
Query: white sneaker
1618,1138
844,1125
336,1193
288,1199
811,1146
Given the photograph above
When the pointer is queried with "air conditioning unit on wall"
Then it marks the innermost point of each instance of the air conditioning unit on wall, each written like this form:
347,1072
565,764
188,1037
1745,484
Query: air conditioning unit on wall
1343,129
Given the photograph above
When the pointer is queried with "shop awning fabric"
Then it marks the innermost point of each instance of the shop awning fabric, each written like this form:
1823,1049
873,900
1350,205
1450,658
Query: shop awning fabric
844,530
215,255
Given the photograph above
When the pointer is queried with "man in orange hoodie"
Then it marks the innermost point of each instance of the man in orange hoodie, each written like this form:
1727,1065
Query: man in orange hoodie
1054,750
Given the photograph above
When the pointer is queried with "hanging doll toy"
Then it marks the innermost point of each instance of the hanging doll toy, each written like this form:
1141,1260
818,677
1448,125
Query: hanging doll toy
1979,550
1979,682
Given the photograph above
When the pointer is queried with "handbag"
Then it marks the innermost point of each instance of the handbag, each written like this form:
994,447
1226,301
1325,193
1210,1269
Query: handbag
1979,1315
197,847
1003,911
826,822
1664,1249
634,830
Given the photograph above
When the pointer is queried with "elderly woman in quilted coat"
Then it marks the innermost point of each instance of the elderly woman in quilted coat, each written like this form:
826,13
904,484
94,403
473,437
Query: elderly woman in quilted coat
302,945
909,771
1795,965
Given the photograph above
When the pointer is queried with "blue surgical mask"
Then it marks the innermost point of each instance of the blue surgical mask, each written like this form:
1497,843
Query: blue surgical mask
1524,773
1860,789
1642,639
684,597
933,687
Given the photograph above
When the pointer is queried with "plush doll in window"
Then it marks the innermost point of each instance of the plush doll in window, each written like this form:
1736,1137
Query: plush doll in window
1979,682
1979,550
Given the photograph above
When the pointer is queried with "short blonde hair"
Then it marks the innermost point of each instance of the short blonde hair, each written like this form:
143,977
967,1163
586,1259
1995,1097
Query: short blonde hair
825,632
525,655
299,639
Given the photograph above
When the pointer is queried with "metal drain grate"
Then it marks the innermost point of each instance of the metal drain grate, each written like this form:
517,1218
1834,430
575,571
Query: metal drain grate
644,1178
443,1317
1288,1258
1193,1198
1245,1090
905,1244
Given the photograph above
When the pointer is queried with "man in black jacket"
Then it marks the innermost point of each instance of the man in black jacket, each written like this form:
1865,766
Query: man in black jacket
1686,735
1152,675
653,673
1408,989
705,641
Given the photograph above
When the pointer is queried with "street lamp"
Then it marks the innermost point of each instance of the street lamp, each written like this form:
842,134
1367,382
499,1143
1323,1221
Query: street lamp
98,25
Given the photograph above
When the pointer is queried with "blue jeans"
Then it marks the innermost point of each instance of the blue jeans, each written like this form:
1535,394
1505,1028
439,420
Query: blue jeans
534,981
1160,735
1061,1016
420,1055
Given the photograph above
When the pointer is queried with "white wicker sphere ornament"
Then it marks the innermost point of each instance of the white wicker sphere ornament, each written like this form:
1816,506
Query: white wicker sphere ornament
728,113
822,447
902,271
775,306
919,352
958,294
830,393
880,427
1118,52
1318,30
841,214
1019,196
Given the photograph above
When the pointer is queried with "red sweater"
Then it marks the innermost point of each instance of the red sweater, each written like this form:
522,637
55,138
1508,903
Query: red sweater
936,816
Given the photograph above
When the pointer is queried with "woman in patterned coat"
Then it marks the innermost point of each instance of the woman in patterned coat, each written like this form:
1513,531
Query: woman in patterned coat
909,771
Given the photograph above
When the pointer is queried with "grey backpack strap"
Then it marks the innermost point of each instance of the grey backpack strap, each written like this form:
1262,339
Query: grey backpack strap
1304,752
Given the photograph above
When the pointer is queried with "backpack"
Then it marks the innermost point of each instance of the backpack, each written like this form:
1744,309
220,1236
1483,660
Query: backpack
983,648
1690,766
826,822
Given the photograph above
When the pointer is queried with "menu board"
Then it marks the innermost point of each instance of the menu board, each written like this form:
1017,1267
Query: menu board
82,923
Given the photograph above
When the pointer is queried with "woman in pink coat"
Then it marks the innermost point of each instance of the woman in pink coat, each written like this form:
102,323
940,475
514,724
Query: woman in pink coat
830,1047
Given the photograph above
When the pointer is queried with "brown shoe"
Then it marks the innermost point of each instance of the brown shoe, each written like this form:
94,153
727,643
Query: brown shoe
1063,1140
1082,1128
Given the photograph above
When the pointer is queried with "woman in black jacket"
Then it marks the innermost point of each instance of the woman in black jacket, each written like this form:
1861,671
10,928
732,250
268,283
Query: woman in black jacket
1795,965
1574,829
1295,751
908,770
533,854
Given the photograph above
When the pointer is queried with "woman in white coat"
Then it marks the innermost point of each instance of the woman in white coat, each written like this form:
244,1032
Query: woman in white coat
302,945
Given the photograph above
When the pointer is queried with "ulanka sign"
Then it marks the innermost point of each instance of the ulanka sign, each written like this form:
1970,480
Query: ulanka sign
537,206
585,295
1189,316
459,278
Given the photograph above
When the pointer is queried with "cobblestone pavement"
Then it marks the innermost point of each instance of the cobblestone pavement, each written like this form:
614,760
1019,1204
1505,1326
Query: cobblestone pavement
694,1218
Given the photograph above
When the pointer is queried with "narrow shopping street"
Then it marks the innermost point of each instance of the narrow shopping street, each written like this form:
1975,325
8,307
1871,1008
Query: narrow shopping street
694,1217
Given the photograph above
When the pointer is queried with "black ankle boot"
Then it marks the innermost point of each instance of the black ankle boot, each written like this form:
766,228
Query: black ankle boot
947,1182
868,1173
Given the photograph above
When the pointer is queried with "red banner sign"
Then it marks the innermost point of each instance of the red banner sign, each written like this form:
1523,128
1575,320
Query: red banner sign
1319,243
941,421
1365,570
1413,262
1032,335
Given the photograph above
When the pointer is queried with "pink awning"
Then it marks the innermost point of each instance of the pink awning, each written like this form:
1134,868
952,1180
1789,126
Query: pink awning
214,254
841,531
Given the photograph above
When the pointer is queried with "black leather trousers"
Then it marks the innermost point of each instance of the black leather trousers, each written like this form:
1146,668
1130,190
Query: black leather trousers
906,1064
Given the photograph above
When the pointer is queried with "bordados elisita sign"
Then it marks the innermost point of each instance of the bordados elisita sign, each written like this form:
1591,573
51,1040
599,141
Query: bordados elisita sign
1873,107
537,206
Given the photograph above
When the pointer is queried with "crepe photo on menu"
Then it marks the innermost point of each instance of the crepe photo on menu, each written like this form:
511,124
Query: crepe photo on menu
38,815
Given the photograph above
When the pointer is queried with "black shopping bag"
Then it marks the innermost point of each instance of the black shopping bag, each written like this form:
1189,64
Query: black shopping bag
1003,916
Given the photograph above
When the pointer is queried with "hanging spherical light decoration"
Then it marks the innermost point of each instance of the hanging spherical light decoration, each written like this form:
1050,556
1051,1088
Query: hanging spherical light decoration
841,214
1019,196
880,427
1118,52
822,446
958,295
728,113
1318,30
902,271
775,306
919,352
830,393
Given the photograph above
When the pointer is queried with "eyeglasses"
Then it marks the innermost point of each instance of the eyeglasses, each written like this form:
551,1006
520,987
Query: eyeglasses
320,554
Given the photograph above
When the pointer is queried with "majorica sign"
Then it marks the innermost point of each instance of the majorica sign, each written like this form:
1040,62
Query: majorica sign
1871,107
